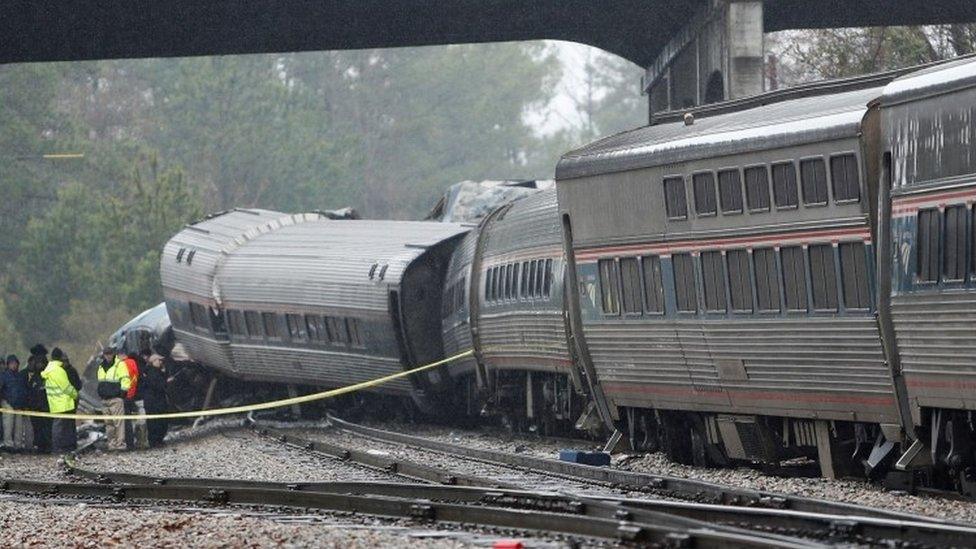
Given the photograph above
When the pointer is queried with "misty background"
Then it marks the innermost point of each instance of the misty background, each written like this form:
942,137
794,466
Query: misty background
166,141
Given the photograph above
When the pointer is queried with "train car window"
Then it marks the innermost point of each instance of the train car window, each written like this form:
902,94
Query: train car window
297,330
533,268
844,178
675,200
270,322
198,315
704,186
524,284
823,277
767,279
973,235
499,289
854,275
179,255
488,283
813,179
794,278
927,244
956,238
253,323
685,287
515,280
236,321
547,290
713,277
540,276
653,284
730,191
630,288
508,282
740,283
609,276
495,283
336,328
784,186
355,334
757,189
316,330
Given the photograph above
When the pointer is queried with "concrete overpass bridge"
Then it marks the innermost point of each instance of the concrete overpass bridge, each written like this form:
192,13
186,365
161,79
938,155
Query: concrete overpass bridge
695,51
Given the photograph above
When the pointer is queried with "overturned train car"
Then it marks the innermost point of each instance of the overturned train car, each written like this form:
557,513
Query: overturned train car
300,299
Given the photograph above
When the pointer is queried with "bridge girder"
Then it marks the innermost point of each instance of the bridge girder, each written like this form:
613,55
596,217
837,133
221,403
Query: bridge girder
60,30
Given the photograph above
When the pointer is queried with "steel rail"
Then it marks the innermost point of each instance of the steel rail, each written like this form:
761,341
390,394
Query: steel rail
819,525
681,488
400,467
420,509
506,498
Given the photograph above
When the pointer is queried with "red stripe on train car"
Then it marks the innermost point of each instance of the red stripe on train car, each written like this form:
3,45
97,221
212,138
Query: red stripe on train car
756,395
953,384
835,235
910,205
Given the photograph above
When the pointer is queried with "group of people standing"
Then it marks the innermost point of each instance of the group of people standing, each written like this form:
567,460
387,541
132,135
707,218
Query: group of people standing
45,385
130,385
127,384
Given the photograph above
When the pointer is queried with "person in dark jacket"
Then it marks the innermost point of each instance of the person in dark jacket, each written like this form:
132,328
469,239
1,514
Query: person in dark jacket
13,396
37,398
152,387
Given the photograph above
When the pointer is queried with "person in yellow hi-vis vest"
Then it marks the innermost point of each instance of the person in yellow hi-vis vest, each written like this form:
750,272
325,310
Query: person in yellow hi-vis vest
113,383
61,399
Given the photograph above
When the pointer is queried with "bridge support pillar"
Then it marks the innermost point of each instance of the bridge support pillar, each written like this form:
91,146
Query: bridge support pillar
718,56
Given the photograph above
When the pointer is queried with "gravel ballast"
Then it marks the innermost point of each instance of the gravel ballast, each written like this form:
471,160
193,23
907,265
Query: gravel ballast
27,524
849,491
234,454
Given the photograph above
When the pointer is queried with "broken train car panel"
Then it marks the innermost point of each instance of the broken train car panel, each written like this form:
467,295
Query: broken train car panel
929,161
726,272
303,300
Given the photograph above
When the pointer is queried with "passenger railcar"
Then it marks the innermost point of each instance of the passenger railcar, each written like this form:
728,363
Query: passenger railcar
299,299
505,286
929,160
726,271
792,275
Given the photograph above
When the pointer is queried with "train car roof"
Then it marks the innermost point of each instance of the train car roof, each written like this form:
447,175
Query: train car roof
793,122
262,256
530,222
222,231
942,78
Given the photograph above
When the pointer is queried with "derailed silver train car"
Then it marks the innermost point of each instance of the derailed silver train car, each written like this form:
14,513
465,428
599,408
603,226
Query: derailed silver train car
300,299
928,241
504,298
726,274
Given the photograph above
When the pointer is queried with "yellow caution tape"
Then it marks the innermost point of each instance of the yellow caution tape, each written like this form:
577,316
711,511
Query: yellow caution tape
251,407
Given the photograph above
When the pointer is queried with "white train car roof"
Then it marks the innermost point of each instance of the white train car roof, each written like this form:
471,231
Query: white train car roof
942,78
787,123
304,260
191,258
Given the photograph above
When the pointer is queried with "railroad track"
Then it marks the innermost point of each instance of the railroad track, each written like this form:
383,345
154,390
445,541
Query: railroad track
450,505
686,520
707,502
448,497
